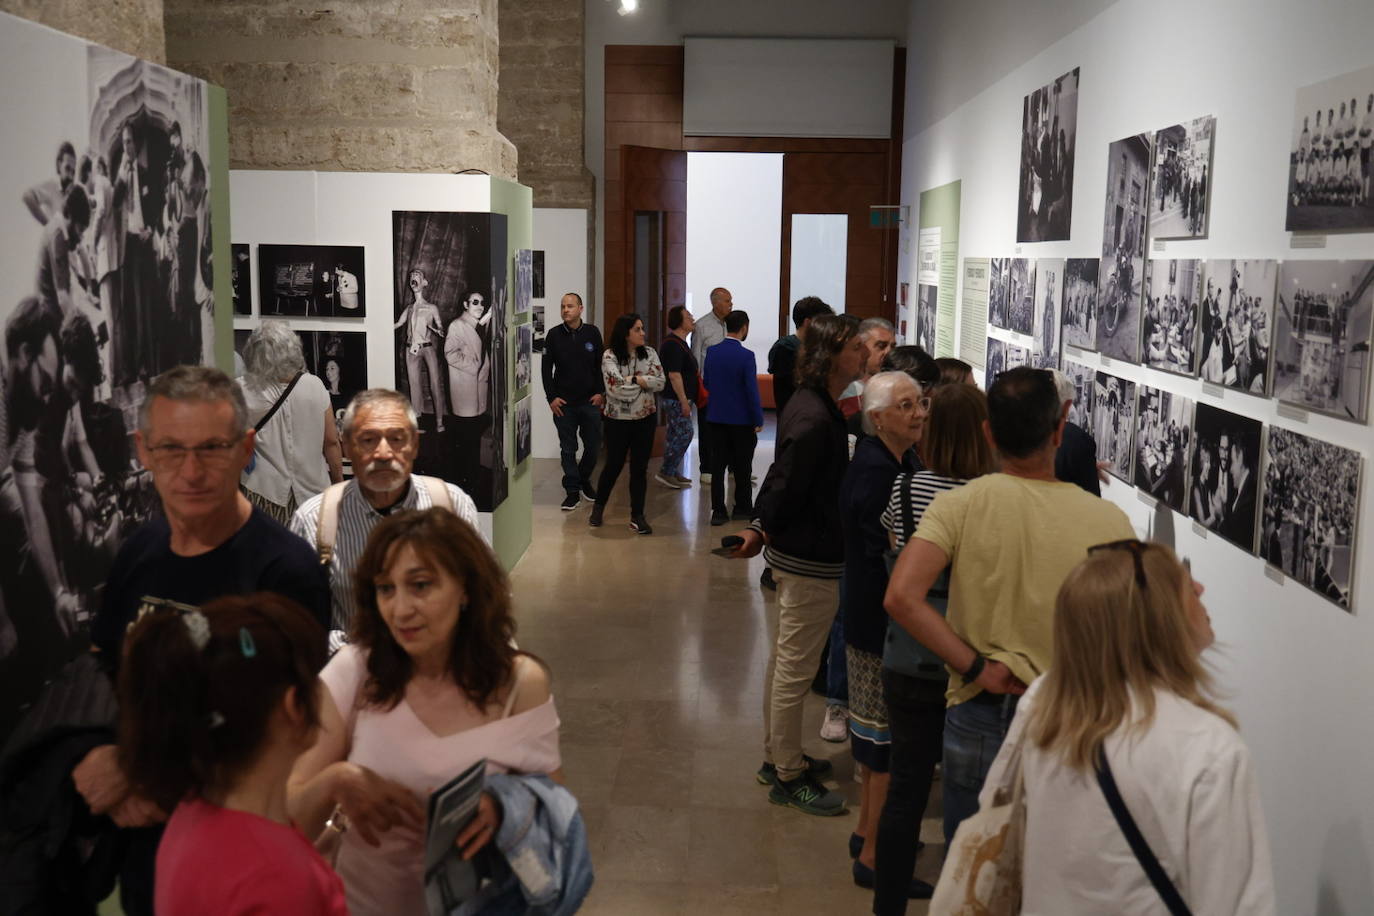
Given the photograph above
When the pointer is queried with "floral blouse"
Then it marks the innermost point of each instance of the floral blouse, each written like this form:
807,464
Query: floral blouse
625,400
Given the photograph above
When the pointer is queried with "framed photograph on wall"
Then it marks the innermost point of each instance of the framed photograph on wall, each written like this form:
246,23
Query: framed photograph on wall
1163,432
1021,295
1223,476
1120,274
311,281
1323,336
998,269
524,280
1114,422
1236,323
537,274
1169,324
1080,303
1001,357
1182,180
240,278
1049,302
1049,136
339,358
524,349
1329,156
523,430
927,296
1083,378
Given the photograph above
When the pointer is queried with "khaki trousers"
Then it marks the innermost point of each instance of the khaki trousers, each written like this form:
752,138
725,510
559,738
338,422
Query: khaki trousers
806,607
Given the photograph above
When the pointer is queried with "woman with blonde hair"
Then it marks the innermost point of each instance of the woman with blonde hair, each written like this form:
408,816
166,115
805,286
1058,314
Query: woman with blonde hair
1127,712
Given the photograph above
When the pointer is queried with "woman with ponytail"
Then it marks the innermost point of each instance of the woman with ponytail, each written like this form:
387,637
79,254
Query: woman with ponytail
216,705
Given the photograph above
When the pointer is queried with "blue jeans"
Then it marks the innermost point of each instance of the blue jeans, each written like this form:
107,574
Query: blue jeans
836,665
973,736
584,419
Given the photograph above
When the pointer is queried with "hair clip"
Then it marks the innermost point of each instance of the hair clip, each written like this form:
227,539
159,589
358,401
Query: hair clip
216,719
246,644
197,627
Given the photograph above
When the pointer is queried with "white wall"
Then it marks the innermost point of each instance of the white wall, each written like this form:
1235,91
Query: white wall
562,236
1297,668
734,237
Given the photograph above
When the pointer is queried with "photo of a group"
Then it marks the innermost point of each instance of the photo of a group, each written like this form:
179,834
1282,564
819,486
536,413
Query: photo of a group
1083,379
1080,303
1123,248
1003,356
998,270
1223,477
1163,432
1168,331
240,271
1021,295
1236,322
1114,422
1329,155
927,296
1049,133
1311,511
1182,180
1049,302
313,281
1322,340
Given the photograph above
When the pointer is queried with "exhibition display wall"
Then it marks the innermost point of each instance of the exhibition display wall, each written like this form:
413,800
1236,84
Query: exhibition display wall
1150,118
560,236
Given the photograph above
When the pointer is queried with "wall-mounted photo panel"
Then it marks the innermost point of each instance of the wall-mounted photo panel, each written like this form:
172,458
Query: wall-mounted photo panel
1049,303
1120,275
311,281
524,359
1114,422
1168,328
1163,433
1223,474
998,275
1328,156
1322,343
1049,132
524,280
1083,378
1001,357
1182,180
339,358
1311,511
1080,303
927,296
1236,323
1021,295
523,430
240,278
537,274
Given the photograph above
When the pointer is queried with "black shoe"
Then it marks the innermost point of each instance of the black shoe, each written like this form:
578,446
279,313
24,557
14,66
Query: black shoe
808,796
569,502
718,517
817,768
640,526
740,515
865,878
595,518
856,845
588,493
767,580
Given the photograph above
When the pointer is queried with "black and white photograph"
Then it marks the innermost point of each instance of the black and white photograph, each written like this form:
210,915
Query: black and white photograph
523,430
451,272
1114,422
998,270
524,281
1322,336
1163,432
537,274
1168,327
339,358
1049,129
1080,303
538,319
1236,323
1121,272
105,212
927,297
1329,156
1083,378
311,281
1002,356
1049,302
1310,512
240,277
1182,180
1223,476
1021,295
524,358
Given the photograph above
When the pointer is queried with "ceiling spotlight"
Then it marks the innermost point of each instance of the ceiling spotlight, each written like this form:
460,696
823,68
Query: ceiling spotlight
627,7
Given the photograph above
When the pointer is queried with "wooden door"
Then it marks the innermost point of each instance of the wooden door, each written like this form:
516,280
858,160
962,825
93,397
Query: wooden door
654,213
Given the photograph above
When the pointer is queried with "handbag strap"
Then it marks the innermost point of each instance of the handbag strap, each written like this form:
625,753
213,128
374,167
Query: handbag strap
272,411
1143,853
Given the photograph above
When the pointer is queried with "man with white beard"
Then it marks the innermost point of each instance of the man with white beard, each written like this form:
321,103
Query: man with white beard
380,437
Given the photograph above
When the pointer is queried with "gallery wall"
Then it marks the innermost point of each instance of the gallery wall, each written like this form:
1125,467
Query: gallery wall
562,235
1295,666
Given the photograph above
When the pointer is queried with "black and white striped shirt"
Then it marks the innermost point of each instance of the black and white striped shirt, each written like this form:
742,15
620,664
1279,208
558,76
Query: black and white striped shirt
912,494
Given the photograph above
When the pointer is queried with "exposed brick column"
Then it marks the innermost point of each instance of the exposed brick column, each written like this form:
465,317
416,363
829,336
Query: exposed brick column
131,26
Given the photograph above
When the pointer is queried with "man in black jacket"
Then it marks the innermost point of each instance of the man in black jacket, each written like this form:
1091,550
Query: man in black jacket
782,357
573,385
797,517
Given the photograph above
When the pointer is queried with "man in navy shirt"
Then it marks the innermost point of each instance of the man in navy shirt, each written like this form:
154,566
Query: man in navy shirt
734,415
573,385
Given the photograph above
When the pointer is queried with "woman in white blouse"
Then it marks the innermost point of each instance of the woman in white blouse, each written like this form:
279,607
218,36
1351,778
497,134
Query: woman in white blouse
633,374
298,453
1128,680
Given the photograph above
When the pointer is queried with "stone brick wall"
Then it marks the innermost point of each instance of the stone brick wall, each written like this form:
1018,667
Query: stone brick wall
365,85
131,26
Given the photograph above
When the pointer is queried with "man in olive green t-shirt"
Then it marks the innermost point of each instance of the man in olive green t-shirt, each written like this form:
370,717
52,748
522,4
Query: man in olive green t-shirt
1009,539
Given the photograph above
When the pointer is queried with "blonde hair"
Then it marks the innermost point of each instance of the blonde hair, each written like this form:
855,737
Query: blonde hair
1114,644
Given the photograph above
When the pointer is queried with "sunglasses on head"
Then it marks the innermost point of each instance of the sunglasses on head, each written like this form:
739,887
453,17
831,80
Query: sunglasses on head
1135,547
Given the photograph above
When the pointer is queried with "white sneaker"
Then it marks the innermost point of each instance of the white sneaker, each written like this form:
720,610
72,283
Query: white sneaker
705,477
670,482
836,725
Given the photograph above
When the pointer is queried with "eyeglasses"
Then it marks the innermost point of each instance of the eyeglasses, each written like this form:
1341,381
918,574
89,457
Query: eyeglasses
209,454
1135,547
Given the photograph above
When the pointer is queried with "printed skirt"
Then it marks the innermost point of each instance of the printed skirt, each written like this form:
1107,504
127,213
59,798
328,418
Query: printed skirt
870,735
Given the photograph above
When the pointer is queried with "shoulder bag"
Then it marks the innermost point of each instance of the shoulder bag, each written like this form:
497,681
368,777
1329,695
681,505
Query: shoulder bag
272,412
1139,845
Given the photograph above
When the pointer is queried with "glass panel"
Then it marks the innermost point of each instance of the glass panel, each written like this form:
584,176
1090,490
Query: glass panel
649,279
819,255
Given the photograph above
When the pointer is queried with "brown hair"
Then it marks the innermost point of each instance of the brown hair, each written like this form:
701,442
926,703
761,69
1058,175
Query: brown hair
826,336
191,719
481,658
954,444
954,371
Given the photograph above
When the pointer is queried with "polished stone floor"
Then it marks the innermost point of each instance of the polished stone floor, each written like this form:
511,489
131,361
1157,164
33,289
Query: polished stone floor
658,649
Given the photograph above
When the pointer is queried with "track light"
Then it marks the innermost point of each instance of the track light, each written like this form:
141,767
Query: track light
627,7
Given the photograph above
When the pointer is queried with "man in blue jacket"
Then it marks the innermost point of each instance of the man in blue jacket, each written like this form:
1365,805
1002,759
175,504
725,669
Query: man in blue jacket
734,416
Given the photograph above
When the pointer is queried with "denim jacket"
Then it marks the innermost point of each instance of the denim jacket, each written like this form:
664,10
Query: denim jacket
544,866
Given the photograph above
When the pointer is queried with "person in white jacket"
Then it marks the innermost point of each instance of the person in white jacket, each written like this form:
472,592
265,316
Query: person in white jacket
1128,680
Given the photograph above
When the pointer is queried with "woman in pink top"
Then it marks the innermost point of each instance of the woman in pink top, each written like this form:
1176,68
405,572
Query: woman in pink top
216,704
430,684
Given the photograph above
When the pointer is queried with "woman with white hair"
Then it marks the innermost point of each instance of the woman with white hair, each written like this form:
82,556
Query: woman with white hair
292,417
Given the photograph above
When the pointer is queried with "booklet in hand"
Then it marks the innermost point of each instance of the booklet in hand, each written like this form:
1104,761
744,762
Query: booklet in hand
449,880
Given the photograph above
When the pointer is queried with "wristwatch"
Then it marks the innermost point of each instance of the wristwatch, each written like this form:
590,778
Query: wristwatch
975,669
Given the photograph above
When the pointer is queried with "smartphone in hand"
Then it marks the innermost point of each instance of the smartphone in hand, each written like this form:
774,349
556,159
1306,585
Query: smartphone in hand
728,545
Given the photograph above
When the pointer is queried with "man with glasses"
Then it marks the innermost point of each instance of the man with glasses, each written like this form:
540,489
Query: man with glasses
380,438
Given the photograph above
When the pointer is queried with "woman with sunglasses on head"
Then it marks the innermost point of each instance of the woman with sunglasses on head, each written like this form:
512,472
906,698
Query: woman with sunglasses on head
1127,704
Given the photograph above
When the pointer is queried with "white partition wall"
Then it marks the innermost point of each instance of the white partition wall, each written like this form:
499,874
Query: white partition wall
562,236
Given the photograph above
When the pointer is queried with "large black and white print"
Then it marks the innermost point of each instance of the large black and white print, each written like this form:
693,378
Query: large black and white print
339,358
1322,341
1114,422
524,355
1223,476
1021,295
1049,297
1049,129
1329,156
316,281
1183,180
1168,330
240,274
523,430
927,297
1083,379
451,287
998,274
1163,432
1121,271
524,281
1311,512
1236,323
106,192
1080,303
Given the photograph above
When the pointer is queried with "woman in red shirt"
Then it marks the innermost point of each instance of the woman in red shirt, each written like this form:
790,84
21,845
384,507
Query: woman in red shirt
216,704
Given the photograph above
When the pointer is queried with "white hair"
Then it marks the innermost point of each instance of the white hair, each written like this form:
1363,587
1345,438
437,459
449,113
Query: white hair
1064,385
869,325
272,354
377,396
880,393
